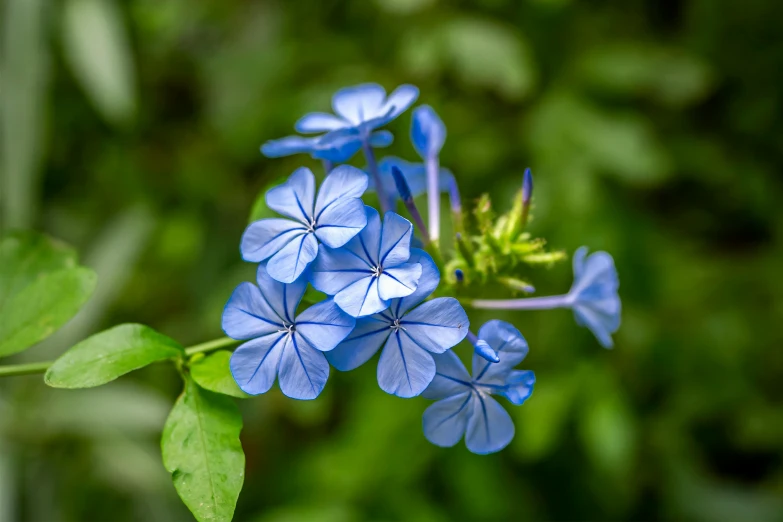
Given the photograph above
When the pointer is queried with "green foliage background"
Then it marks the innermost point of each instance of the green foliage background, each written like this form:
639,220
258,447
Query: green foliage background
131,130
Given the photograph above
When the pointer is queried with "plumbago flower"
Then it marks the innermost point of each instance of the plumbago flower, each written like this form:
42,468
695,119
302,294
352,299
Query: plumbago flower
410,334
335,147
279,342
371,269
291,244
465,406
360,109
593,296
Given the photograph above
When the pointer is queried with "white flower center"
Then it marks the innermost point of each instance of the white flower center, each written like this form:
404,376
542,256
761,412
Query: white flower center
377,271
395,326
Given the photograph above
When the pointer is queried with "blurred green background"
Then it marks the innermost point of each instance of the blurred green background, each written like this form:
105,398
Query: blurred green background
653,127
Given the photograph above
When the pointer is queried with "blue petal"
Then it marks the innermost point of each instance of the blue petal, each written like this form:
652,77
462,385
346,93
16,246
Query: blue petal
396,235
437,325
295,197
380,139
405,369
338,146
324,325
287,265
490,428
303,369
254,364
368,242
359,103
319,122
519,386
428,133
451,377
341,221
361,298
335,269
445,421
600,325
288,146
366,339
428,282
510,346
485,351
344,181
399,281
248,315
281,298
579,261
266,237
398,102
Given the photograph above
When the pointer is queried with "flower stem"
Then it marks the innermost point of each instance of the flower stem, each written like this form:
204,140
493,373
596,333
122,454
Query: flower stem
528,303
12,370
372,165
328,166
210,346
433,197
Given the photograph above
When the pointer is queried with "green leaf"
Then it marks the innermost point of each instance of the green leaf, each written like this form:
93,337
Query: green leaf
97,49
260,210
202,451
213,373
41,288
110,354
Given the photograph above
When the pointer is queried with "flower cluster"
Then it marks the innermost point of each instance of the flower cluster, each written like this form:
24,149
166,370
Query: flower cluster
382,290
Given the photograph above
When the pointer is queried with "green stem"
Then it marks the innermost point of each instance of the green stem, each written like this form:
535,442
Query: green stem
209,346
12,370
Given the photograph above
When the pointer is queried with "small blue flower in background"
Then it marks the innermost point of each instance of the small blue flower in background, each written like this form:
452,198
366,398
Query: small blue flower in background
371,269
415,174
280,343
409,335
465,406
361,108
291,244
337,147
593,295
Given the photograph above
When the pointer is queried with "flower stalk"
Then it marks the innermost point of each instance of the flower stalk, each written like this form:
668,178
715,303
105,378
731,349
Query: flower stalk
372,166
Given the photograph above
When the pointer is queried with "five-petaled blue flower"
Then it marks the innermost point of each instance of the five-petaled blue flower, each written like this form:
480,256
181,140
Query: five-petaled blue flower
337,146
593,295
360,109
371,269
410,335
414,173
338,215
464,404
280,343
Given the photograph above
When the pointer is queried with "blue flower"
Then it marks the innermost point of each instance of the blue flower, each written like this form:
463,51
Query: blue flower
362,108
337,146
280,343
371,269
291,244
593,295
409,335
414,173
465,406
428,133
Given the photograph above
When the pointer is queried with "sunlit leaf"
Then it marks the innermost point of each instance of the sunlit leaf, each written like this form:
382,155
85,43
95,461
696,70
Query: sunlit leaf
110,354
99,53
201,450
213,373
